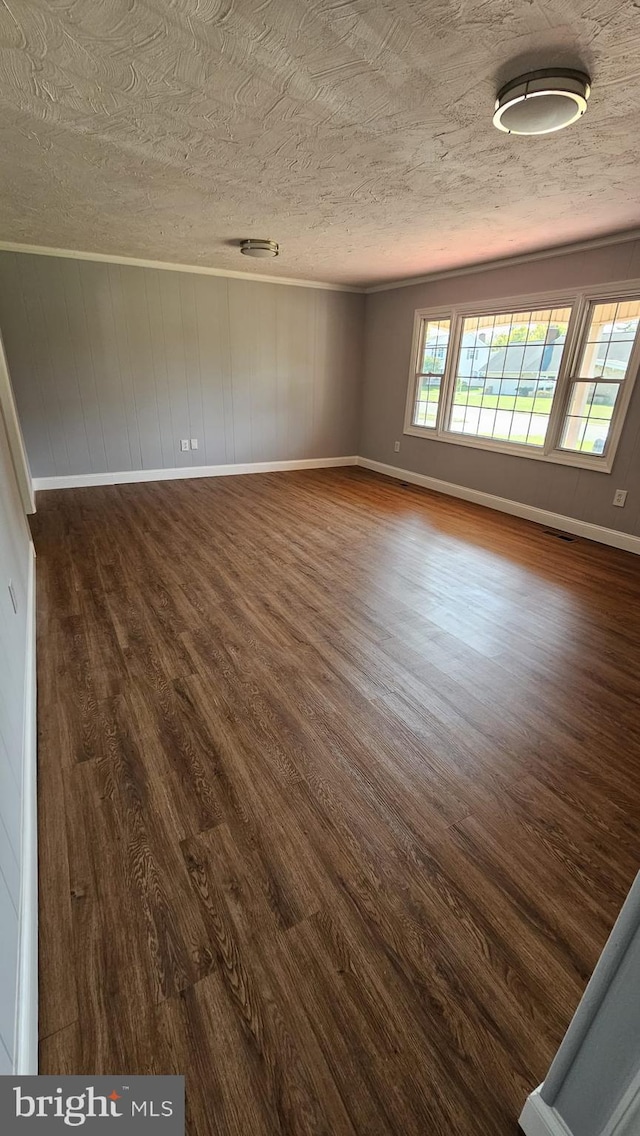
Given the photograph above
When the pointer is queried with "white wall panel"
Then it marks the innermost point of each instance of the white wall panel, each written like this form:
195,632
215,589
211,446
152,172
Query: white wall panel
8,969
15,565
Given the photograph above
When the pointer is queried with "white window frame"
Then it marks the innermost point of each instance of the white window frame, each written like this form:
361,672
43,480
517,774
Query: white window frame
580,302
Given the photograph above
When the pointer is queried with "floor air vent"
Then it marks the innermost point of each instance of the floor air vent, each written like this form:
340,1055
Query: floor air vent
560,535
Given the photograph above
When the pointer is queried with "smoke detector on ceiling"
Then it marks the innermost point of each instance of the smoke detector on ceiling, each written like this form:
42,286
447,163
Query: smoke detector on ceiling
260,248
542,101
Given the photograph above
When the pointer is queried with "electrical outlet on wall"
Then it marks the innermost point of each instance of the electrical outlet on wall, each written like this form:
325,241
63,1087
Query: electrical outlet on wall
184,443
620,497
194,443
396,446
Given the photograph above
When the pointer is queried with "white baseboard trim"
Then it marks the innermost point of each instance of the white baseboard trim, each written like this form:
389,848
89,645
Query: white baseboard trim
81,480
516,508
26,1028
573,525
540,1119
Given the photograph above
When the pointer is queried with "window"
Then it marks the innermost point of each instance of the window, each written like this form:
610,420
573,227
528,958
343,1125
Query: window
507,373
432,357
603,366
551,379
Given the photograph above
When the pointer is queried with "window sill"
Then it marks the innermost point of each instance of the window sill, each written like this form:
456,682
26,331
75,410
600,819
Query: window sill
557,457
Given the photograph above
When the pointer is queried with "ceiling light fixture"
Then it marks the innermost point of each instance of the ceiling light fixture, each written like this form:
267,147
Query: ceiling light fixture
260,248
542,101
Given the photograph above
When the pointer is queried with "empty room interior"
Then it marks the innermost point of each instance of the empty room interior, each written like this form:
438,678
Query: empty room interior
319,567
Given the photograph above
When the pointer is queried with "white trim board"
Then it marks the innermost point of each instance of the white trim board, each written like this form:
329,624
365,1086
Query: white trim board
18,453
385,286
539,1119
599,533
26,1027
580,301
178,473
586,529
169,266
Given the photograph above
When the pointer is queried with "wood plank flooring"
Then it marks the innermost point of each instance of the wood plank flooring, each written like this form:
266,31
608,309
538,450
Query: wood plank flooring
339,790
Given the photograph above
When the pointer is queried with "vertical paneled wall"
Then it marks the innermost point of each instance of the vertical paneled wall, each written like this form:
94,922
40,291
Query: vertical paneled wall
112,365
15,558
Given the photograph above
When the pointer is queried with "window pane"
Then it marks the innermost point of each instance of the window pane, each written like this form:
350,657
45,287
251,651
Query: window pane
427,398
588,419
506,375
434,346
610,337
432,361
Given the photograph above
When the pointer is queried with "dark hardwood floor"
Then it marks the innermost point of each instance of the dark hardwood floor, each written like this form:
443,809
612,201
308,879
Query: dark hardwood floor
339,790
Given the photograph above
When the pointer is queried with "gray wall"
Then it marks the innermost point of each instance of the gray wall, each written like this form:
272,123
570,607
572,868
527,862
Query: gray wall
389,326
610,1056
15,554
112,365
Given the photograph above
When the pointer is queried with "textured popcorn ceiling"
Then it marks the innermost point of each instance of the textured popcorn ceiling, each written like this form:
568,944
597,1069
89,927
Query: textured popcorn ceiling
355,132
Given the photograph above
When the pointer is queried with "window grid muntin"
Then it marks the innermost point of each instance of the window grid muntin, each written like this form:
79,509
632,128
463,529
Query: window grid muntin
609,340
583,422
581,301
422,403
502,325
425,409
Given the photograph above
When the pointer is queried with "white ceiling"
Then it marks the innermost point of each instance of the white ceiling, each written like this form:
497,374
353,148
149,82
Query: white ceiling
355,132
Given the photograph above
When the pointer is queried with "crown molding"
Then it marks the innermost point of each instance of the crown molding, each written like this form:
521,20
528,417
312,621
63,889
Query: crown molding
169,266
509,261
260,278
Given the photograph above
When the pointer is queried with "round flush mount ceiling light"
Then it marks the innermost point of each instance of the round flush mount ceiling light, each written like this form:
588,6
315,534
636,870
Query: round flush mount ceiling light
542,101
259,248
